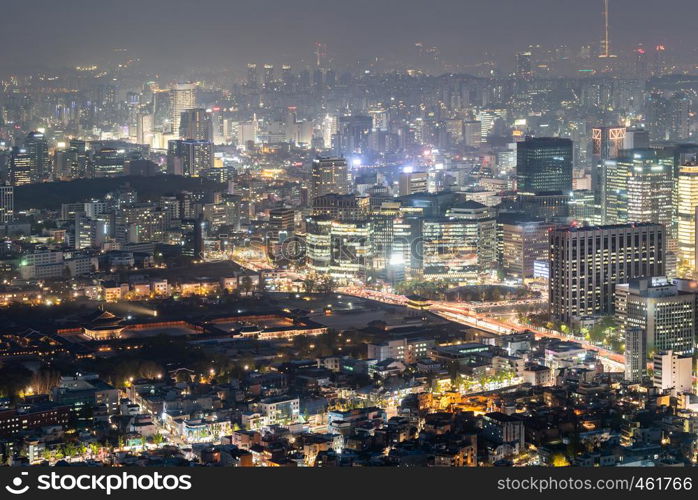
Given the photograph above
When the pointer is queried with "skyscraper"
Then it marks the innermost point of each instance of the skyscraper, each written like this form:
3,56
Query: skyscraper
329,175
668,116
108,162
287,76
183,98
36,147
522,241
465,238
281,220
252,76
523,65
189,157
636,138
635,354
650,190
268,76
196,124
587,262
687,203
638,187
352,134
472,134
413,182
606,144
76,159
20,167
544,164
666,316
7,204
144,128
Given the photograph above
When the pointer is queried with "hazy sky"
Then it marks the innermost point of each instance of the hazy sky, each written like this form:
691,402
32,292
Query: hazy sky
176,32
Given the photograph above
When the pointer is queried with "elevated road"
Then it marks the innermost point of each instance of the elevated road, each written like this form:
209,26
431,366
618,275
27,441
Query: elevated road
461,313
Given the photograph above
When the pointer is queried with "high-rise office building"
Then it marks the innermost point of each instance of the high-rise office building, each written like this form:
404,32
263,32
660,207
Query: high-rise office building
650,189
607,142
342,249
352,134
613,192
252,76
318,243
76,159
287,76
522,241
635,354
472,134
281,220
189,157
523,66
196,124
687,204
668,116
268,76
144,128
549,206
544,164
351,248
465,238
636,138
108,162
329,175
587,262
7,204
638,186
413,182
584,208
183,97
340,206
36,147
20,167
666,316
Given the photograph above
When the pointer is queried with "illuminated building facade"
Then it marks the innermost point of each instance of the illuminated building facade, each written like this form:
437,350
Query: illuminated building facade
687,203
329,175
666,316
587,262
183,97
544,164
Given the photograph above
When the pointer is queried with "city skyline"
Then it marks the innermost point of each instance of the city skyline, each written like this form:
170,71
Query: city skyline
354,234
222,36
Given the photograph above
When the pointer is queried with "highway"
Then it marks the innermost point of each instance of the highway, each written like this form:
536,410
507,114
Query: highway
461,313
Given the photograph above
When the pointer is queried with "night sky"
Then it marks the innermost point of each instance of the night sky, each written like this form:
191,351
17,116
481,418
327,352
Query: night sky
233,32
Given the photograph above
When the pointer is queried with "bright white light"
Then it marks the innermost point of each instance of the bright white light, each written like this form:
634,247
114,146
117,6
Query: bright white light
397,259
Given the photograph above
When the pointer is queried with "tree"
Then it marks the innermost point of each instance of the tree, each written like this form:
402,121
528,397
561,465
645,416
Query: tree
327,284
309,283
483,381
467,384
247,284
